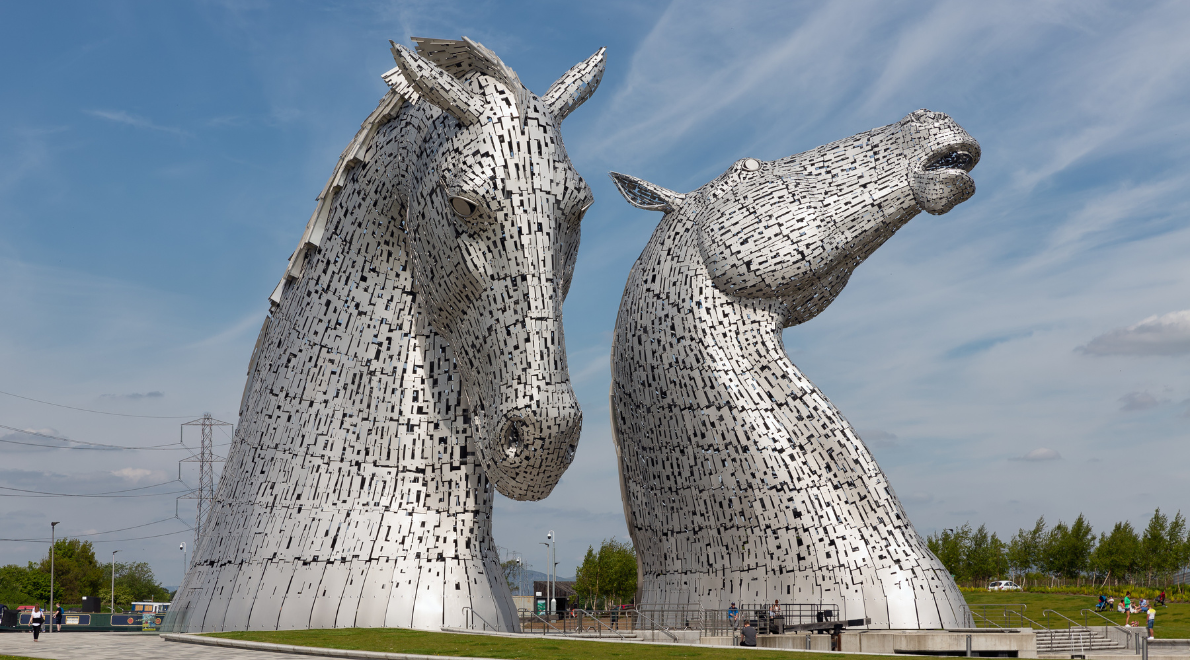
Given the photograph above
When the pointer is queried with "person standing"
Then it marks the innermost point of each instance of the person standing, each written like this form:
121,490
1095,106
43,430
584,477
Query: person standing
747,634
58,616
36,619
1127,608
1152,618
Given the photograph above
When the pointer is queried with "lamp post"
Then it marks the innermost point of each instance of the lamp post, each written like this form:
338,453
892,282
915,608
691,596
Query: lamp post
547,576
53,542
182,547
114,581
552,572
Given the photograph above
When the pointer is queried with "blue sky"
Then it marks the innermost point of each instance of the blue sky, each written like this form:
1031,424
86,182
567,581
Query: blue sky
1023,355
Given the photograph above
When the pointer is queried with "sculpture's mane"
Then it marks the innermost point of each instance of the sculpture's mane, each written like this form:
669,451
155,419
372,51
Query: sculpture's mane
459,58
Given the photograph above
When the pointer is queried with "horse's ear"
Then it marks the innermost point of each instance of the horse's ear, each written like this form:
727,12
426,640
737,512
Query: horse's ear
437,86
645,195
575,86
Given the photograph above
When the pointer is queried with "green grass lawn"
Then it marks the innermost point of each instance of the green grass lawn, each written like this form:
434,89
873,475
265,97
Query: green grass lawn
18,657
1172,621
394,640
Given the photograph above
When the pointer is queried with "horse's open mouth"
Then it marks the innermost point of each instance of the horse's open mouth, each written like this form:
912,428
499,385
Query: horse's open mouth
952,160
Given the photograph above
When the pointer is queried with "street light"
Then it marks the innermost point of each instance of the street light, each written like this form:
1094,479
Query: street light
53,542
114,581
553,572
182,547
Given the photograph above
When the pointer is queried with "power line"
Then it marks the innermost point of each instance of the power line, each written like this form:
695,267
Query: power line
165,447
135,538
97,412
110,492
112,531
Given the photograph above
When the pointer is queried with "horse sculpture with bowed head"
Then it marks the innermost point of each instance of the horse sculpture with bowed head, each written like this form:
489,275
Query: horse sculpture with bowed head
413,360
741,482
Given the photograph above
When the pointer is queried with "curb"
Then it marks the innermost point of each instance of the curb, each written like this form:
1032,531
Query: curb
185,638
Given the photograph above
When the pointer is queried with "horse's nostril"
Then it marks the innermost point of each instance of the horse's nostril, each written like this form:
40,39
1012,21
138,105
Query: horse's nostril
513,434
957,160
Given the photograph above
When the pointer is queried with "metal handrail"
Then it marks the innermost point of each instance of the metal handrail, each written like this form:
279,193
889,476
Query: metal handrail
535,615
654,622
1115,625
471,621
600,621
1045,613
986,619
1007,607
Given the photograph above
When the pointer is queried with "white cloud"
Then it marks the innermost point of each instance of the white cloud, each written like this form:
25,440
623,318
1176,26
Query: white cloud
1041,454
121,117
1134,401
132,474
1168,334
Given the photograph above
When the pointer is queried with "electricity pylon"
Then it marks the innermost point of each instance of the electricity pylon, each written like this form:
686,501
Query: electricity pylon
206,458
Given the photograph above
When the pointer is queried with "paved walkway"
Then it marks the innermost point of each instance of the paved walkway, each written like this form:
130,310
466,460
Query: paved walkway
119,646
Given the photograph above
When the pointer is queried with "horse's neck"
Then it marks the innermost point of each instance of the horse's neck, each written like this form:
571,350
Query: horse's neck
728,335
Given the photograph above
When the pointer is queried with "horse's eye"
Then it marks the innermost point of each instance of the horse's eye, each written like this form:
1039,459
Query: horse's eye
462,207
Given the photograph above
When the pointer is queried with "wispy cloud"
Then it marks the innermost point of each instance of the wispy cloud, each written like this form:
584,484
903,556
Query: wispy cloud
122,117
1134,401
134,396
1039,455
1167,334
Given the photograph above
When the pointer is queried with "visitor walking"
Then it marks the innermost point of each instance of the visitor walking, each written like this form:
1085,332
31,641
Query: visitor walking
36,619
1127,608
58,615
748,634
1152,618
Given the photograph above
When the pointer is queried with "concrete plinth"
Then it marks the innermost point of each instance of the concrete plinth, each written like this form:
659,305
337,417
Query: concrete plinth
1020,643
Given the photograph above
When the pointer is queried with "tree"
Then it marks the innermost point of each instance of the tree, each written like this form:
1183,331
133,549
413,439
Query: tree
1024,550
1068,549
950,547
138,580
1154,550
607,575
1178,541
514,572
1118,553
76,572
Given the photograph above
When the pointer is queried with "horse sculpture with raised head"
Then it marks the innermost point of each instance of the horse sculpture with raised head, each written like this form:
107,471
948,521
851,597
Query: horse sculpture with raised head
741,482
413,360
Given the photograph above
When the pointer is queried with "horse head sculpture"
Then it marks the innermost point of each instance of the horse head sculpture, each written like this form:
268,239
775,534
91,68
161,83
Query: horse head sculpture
794,229
413,359
494,233
741,482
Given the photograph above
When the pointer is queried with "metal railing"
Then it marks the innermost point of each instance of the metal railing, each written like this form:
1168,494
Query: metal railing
469,615
1001,615
595,617
985,619
654,626
1128,633
719,622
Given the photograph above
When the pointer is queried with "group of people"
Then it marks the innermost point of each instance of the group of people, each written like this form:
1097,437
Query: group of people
37,619
1128,607
748,631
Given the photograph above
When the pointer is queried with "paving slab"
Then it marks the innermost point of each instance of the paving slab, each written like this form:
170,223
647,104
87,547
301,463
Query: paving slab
118,646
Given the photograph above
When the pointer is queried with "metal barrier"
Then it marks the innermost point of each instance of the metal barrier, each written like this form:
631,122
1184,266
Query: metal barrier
469,615
1000,615
622,622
